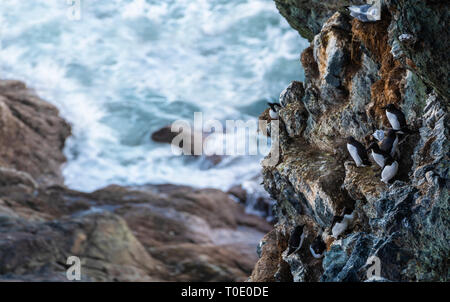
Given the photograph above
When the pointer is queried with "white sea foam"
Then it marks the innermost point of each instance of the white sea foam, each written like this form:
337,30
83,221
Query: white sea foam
129,67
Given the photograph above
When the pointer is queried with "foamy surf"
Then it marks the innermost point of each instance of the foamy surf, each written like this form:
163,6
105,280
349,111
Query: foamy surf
128,68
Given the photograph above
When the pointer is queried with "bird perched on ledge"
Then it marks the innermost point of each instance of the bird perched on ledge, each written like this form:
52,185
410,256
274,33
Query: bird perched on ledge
358,152
274,109
317,247
390,142
296,239
396,118
389,170
379,156
340,223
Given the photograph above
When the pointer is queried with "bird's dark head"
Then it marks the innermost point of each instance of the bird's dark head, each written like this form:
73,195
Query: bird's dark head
389,161
274,106
373,146
350,139
389,107
299,229
347,211
392,133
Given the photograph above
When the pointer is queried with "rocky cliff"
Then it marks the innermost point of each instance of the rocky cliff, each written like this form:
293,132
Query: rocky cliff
147,233
352,70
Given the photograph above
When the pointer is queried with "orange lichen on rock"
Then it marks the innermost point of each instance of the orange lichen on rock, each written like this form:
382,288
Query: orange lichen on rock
308,62
388,88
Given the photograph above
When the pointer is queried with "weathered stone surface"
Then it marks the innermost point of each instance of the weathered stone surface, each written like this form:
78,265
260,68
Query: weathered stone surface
32,134
352,70
421,32
103,242
308,16
149,233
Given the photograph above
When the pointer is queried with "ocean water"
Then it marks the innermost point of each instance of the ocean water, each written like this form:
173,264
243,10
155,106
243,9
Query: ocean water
130,67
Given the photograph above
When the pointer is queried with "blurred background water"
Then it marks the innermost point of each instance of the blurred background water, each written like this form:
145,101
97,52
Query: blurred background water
130,67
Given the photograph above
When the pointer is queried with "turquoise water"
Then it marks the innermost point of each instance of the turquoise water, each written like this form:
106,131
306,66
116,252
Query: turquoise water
127,68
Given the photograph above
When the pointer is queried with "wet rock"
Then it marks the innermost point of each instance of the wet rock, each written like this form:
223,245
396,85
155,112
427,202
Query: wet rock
32,134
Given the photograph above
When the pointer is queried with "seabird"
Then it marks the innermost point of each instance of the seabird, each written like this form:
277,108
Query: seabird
379,156
366,12
396,118
389,170
296,239
274,108
358,152
341,222
317,247
390,142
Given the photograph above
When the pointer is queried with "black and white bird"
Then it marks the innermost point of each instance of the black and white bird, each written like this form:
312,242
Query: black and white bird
318,247
390,142
366,12
389,170
296,239
396,118
358,152
379,156
340,223
274,109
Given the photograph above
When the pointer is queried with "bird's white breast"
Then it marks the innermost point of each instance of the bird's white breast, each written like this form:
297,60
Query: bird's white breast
273,114
393,120
339,228
317,256
302,237
349,217
389,172
354,153
379,159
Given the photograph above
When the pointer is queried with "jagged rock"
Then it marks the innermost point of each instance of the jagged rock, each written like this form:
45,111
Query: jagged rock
32,134
103,242
271,263
350,74
308,16
180,233
420,30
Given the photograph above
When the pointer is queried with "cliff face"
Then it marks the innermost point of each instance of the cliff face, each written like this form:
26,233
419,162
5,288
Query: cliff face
147,233
353,69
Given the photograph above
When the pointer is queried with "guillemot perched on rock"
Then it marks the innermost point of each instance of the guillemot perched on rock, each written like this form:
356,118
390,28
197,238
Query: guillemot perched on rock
317,247
366,12
296,239
379,156
340,223
274,108
390,142
396,118
389,170
358,152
